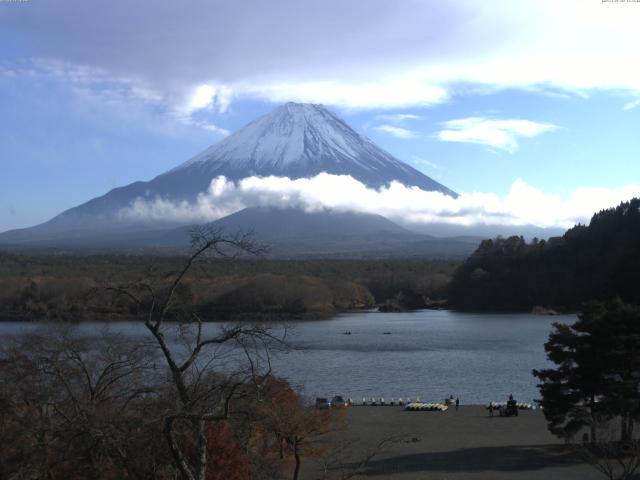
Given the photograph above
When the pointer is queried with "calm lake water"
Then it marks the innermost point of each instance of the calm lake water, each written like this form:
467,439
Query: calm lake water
430,354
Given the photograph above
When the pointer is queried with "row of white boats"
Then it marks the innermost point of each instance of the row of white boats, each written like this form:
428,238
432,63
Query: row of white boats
427,407
519,405
442,407
416,405
373,402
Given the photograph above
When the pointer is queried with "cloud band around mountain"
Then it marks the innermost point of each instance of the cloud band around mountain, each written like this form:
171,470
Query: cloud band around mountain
522,205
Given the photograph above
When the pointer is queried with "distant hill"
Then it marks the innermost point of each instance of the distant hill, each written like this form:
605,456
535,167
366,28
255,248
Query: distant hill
598,261
484,231
278,223
293,233
289,233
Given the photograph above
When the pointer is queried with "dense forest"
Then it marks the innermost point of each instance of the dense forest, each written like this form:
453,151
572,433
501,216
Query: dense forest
598,261
73,287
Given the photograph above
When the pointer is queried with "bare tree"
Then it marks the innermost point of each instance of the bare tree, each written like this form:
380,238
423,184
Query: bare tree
613,458
73,406
203,363
299,429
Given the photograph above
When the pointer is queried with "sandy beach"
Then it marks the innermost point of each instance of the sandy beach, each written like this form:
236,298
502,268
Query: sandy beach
463,444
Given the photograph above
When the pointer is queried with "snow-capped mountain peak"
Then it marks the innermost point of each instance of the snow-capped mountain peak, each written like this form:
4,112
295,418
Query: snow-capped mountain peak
293,133
302,140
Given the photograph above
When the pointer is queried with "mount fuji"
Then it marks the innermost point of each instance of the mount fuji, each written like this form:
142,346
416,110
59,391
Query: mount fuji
297,141
294,140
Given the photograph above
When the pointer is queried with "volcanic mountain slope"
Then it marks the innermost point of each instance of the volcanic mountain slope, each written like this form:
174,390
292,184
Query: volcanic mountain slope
294,233
274,224
295,141
288,233
303,140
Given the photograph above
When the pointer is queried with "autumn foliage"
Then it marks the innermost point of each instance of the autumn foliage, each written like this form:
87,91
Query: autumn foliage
77,409
68,287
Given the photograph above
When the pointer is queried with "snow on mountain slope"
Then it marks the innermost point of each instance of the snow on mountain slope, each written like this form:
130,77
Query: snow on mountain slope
302,140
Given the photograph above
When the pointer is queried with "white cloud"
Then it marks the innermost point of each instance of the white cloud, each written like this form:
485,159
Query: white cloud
424,162
501,134
633,104
207,207
202,97
96,81
206,96
398,132
95,87
393,92
212,128
397,117
523,205
285,50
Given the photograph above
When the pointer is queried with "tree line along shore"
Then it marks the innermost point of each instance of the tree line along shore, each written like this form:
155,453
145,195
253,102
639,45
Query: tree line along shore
598,261
53,287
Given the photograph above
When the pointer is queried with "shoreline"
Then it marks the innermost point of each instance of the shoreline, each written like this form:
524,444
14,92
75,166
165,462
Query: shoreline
278,318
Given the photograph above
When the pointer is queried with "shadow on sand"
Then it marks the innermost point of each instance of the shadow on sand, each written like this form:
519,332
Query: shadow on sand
500,459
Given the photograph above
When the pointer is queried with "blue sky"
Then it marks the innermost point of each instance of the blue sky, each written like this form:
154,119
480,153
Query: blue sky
475,96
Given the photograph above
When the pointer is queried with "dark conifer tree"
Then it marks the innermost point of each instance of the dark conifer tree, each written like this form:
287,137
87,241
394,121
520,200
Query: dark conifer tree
597,373
600,262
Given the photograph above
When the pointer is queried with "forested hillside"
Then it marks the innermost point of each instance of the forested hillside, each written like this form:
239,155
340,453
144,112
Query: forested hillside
598,261
71,287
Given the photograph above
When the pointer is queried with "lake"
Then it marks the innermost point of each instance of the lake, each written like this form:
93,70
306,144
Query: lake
429,353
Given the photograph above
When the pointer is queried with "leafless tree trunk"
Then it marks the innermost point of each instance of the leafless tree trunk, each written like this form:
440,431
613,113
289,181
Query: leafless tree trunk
296,456
201,399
